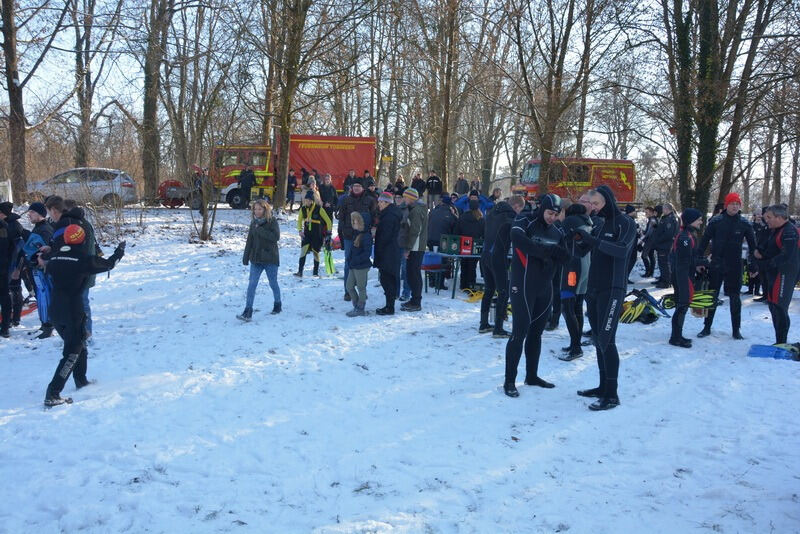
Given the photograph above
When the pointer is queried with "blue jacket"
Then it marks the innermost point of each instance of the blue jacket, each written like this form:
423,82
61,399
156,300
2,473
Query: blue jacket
359,257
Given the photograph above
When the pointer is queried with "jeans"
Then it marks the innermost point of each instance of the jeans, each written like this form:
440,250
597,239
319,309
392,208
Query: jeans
404,278
347,245
87,309
255,273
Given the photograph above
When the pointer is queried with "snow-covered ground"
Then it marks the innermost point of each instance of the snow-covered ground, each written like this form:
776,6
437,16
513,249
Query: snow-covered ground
311,421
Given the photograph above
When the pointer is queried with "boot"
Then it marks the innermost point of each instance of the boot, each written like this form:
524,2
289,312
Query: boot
388,309
536,381
572,354
276,308
246,315
705,332
485,328
316,268
510,390
606,403
681,342
498,334
346,296
47,331
4,331
301,265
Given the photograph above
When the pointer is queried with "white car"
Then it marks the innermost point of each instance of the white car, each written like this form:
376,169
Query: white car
111,187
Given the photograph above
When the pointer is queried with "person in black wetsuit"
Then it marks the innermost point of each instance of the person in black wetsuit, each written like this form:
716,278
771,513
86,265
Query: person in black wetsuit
537,249
572,273
611,242
663,237
683,265
726,232
781,264
494,263
70,267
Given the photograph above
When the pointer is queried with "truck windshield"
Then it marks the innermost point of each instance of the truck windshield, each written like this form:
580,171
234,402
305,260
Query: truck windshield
531,174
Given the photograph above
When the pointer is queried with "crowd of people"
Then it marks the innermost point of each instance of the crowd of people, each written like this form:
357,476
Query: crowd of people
57,260
551,258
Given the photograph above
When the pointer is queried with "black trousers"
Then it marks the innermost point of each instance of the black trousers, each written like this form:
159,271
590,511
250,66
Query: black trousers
779,296
5,297
572,310
15,287
73,359
530,309
604,309
663,266
731,283
468,272
555,309
495,280
683,296
413,265
390,282
632,260
649,260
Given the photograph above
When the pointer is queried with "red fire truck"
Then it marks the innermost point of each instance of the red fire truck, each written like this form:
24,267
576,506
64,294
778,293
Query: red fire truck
571,177
327,154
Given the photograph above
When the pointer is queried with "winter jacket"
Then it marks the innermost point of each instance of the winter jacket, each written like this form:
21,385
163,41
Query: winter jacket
649,232
349,181
328,195
402,236
419,184
471,226
359,255
350,203
6,248
417,227
611,246
665,232
725,233
387,246
246,179
70,270
461,187
497,232
434,185
291,183
262,243
463,204
440,221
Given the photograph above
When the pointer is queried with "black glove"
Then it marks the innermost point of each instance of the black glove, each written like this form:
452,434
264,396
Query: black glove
560,254
119,252
585,237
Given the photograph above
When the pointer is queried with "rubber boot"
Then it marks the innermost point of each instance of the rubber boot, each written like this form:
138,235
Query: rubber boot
316,268
300,266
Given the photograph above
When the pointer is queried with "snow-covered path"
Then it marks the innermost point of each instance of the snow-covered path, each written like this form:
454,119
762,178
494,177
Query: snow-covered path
312,421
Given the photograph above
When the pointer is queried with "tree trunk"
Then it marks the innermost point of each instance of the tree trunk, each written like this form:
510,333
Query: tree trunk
16,108
777,176
795,170
763,17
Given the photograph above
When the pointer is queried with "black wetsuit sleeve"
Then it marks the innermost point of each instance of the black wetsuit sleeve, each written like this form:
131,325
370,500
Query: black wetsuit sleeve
530,246
750,237
620,248
96,264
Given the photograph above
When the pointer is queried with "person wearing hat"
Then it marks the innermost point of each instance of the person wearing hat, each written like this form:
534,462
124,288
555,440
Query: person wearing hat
781,261
725,233
70,267
537,251
494,263
664,236
610,242
414,248
41,235
313,224
355,201
387,250
683,258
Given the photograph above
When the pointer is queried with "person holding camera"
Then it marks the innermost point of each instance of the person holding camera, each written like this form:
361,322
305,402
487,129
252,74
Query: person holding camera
70,268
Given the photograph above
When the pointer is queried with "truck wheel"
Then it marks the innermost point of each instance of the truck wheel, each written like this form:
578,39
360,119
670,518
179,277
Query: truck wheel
236,199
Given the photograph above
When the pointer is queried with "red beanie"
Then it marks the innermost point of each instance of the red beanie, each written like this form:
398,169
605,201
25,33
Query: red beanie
732,197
